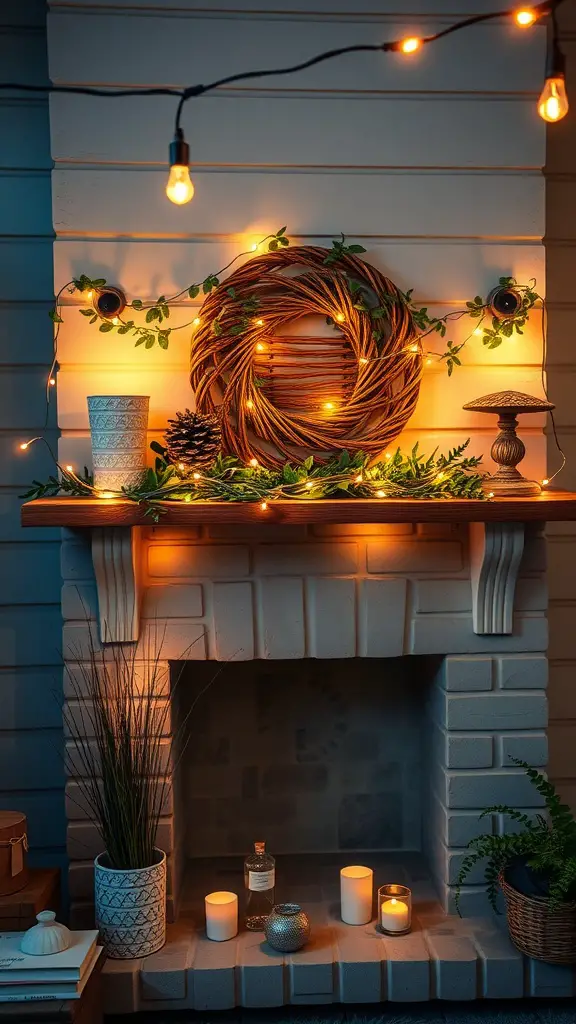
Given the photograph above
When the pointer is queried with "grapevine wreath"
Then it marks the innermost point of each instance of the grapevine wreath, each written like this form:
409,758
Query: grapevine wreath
283,396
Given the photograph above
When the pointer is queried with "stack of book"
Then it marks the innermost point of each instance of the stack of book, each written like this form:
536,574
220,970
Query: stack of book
24,978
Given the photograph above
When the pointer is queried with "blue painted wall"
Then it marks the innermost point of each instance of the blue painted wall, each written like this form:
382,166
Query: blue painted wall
31,775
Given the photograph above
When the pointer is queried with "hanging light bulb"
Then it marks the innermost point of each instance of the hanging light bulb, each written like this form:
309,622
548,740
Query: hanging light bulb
525,17
179,188
410,45
553,102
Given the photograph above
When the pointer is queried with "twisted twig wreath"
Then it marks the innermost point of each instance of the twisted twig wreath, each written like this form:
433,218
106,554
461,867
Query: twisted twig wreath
286,396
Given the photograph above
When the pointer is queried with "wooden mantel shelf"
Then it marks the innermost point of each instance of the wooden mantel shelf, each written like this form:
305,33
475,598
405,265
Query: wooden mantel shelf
496,529
550,506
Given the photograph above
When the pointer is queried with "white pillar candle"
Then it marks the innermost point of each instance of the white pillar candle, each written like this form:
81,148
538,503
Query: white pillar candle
394,916
356,885
221,915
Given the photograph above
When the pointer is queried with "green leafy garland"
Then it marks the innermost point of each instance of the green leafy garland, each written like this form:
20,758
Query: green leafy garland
348,476
157,313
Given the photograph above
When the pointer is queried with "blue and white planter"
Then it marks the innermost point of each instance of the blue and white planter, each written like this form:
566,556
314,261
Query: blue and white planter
131,908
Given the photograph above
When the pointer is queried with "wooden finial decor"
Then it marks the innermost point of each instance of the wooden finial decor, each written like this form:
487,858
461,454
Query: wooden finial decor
285,395
508,450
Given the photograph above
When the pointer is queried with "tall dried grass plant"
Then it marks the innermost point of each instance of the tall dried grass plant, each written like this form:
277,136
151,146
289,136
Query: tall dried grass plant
123,744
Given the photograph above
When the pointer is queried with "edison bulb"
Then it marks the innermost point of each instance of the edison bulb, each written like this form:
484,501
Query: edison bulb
410,45
179,188
553,102
525,17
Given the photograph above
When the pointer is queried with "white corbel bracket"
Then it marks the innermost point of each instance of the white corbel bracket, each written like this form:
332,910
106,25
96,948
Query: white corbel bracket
495,556
116,560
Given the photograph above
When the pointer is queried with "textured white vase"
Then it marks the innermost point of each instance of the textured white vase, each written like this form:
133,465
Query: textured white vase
131,908
48,936
118,426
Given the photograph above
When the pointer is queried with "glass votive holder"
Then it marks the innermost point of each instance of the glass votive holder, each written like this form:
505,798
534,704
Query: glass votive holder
394,909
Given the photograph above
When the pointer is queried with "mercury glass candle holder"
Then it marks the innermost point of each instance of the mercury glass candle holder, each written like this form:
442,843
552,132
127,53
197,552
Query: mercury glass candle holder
394,909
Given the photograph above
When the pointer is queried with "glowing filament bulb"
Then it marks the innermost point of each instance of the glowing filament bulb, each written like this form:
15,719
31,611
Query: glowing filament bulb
428,362
259,347
478,332
106,494
264,505
254,247
196,476
90,295
410,45
440,476
380,494
328,406
51,381
525,17
490,494
388,456
69,469
179,188
115,320
362,360
340,318
553,102
196,321
253,463
309,485
545,481
259,323
181,465
413,348
249,404
24,445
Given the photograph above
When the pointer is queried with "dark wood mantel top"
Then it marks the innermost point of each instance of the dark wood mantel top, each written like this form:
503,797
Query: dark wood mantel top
550,506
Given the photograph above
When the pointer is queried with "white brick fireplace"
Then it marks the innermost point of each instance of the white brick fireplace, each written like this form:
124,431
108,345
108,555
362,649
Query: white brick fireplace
239,593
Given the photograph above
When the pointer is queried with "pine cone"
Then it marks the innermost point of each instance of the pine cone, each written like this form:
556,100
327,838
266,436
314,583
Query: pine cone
193,439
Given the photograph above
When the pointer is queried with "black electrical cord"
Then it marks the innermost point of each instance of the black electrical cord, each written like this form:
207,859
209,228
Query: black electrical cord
391,46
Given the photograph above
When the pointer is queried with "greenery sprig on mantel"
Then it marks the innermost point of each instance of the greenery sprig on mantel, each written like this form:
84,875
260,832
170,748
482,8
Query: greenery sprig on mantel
415,475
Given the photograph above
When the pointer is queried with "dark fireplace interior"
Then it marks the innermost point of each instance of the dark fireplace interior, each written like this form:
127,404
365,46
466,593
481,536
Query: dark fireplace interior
325,760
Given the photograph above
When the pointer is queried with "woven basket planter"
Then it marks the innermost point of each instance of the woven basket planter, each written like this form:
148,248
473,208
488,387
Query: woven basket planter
537,931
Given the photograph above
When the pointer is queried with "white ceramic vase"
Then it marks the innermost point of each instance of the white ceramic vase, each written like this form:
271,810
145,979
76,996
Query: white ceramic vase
118,427
46,937
131,908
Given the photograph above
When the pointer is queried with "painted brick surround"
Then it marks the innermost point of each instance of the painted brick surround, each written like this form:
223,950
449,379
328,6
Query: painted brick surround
273,592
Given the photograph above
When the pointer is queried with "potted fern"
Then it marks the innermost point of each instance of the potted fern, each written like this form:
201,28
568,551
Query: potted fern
120,758
536,869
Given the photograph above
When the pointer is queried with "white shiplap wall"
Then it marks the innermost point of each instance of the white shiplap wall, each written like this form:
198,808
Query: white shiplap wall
432,162
31,776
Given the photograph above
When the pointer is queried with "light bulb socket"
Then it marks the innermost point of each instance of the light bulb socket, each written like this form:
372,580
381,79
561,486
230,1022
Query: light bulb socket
179,150
555,59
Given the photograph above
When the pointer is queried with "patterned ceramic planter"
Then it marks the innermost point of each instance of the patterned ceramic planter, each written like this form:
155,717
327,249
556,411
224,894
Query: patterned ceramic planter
131,908
118,425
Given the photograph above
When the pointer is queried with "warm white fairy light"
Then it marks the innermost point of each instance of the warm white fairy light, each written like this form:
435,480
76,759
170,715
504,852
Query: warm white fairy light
490,494
525,17
263,505
181,465
254,247
328,406
260,322
69,469
477,332
115,321
309,485
358,479
253,463
52,381
362,360
249,404
259,346
196,476
24,445
387,455
105,494
440,477
545,481
340,318
380,494
196,321
410,45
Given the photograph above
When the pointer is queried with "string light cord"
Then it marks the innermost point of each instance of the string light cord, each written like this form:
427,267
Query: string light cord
194,91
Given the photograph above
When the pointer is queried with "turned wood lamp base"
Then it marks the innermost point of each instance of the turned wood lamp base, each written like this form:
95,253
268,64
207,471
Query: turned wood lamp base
508,450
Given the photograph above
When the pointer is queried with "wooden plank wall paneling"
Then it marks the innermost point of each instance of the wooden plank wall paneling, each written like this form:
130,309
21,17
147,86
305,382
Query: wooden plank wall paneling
433,163
31,776
560,241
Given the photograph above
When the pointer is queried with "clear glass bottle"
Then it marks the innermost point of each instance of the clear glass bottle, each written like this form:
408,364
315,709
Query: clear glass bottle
259,882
